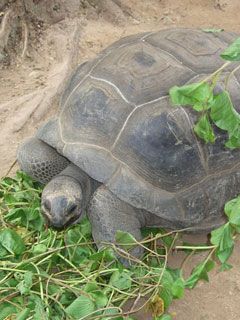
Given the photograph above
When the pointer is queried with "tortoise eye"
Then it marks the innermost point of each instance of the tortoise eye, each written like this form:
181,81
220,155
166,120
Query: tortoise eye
46,205
72,208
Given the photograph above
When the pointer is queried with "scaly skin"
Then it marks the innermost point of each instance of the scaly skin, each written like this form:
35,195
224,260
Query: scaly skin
109,214
39,160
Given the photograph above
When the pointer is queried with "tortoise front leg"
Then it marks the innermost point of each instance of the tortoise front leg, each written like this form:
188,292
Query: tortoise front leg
39,160
108,214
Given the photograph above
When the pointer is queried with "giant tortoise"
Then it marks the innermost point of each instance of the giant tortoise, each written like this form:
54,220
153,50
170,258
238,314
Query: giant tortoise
119,151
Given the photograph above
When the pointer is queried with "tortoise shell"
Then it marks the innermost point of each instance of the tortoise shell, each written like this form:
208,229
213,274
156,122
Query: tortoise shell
117,124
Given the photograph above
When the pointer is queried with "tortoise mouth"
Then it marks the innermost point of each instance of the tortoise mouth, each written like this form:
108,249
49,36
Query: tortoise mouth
59,225
75,219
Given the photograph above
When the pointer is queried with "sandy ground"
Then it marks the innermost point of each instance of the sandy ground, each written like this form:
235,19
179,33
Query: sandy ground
30,90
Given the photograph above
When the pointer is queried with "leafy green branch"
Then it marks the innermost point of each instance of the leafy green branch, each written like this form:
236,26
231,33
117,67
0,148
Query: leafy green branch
214,108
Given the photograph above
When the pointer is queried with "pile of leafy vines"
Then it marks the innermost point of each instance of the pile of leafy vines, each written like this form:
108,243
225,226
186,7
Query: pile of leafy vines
46,274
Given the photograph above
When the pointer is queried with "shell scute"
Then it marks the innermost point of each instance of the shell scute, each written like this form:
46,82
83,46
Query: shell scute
159,145
146,73
196,49
94,114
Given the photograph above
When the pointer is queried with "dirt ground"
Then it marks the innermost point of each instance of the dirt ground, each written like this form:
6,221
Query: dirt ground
50,38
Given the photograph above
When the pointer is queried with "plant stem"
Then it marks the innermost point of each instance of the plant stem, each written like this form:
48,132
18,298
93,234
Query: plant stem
194,247
226,64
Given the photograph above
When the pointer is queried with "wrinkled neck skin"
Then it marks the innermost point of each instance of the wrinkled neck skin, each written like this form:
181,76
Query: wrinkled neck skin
88,185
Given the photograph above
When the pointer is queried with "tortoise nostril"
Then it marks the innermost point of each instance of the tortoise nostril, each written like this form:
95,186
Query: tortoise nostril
72,208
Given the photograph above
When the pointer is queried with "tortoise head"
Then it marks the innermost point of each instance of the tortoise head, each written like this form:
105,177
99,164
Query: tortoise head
62,200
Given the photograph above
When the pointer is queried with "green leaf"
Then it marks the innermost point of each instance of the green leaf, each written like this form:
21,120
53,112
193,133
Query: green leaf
204,129
121,280
175,273
200,272
125,239
223,113
100,299
105,254
166,278
232,53
112,311
163,317
39,311
67,298
200,106
225,266
166,285
3,252
191,94
25,285
151,231
222,237
226,117
223,255
167,296
163,275
167,241
39,248
81,307
54,289
77,254
12,242
178,288
34,219
74,235
30,218
7,310
212,30
234,139
232,210
84,228
23,315
91,287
